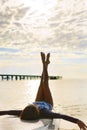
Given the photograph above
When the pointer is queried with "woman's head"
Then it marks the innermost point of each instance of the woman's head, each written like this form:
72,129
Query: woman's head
30,112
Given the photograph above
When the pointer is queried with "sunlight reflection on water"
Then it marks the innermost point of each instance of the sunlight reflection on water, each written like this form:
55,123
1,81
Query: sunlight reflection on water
17,94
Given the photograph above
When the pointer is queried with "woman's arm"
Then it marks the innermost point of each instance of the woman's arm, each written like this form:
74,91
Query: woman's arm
11,112
80,123
49,114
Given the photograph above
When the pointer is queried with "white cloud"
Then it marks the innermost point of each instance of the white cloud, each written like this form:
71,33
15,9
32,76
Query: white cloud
60,29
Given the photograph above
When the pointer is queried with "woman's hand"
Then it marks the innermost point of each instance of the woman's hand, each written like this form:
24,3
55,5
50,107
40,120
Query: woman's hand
81,125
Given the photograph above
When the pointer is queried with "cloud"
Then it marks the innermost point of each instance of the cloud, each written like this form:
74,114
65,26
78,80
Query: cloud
59,24
61,30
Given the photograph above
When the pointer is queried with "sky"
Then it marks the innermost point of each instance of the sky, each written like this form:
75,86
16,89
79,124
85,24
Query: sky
28,27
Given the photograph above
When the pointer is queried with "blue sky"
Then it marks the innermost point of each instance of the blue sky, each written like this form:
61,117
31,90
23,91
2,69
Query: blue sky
28,27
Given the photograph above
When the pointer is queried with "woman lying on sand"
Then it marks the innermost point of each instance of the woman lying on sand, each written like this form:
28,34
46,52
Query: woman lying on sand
42,107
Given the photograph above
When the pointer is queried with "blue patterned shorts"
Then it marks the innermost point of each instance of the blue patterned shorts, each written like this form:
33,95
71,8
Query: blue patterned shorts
43,104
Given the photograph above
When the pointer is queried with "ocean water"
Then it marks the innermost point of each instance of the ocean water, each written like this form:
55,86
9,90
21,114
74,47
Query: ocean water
69,94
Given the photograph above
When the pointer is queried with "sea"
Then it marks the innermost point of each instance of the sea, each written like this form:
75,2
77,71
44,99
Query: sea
69,94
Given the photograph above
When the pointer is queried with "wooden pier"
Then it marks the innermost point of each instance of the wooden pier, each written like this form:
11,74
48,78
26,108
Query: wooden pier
22,77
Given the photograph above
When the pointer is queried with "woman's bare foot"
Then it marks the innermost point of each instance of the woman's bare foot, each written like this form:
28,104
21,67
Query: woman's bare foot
43,57
47,60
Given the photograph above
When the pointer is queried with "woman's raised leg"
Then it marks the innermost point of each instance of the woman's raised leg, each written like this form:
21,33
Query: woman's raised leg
40,94
44,93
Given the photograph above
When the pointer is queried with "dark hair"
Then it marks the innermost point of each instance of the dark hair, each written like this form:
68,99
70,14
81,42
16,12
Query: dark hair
30,112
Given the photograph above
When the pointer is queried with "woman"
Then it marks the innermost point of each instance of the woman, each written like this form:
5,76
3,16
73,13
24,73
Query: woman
42,107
